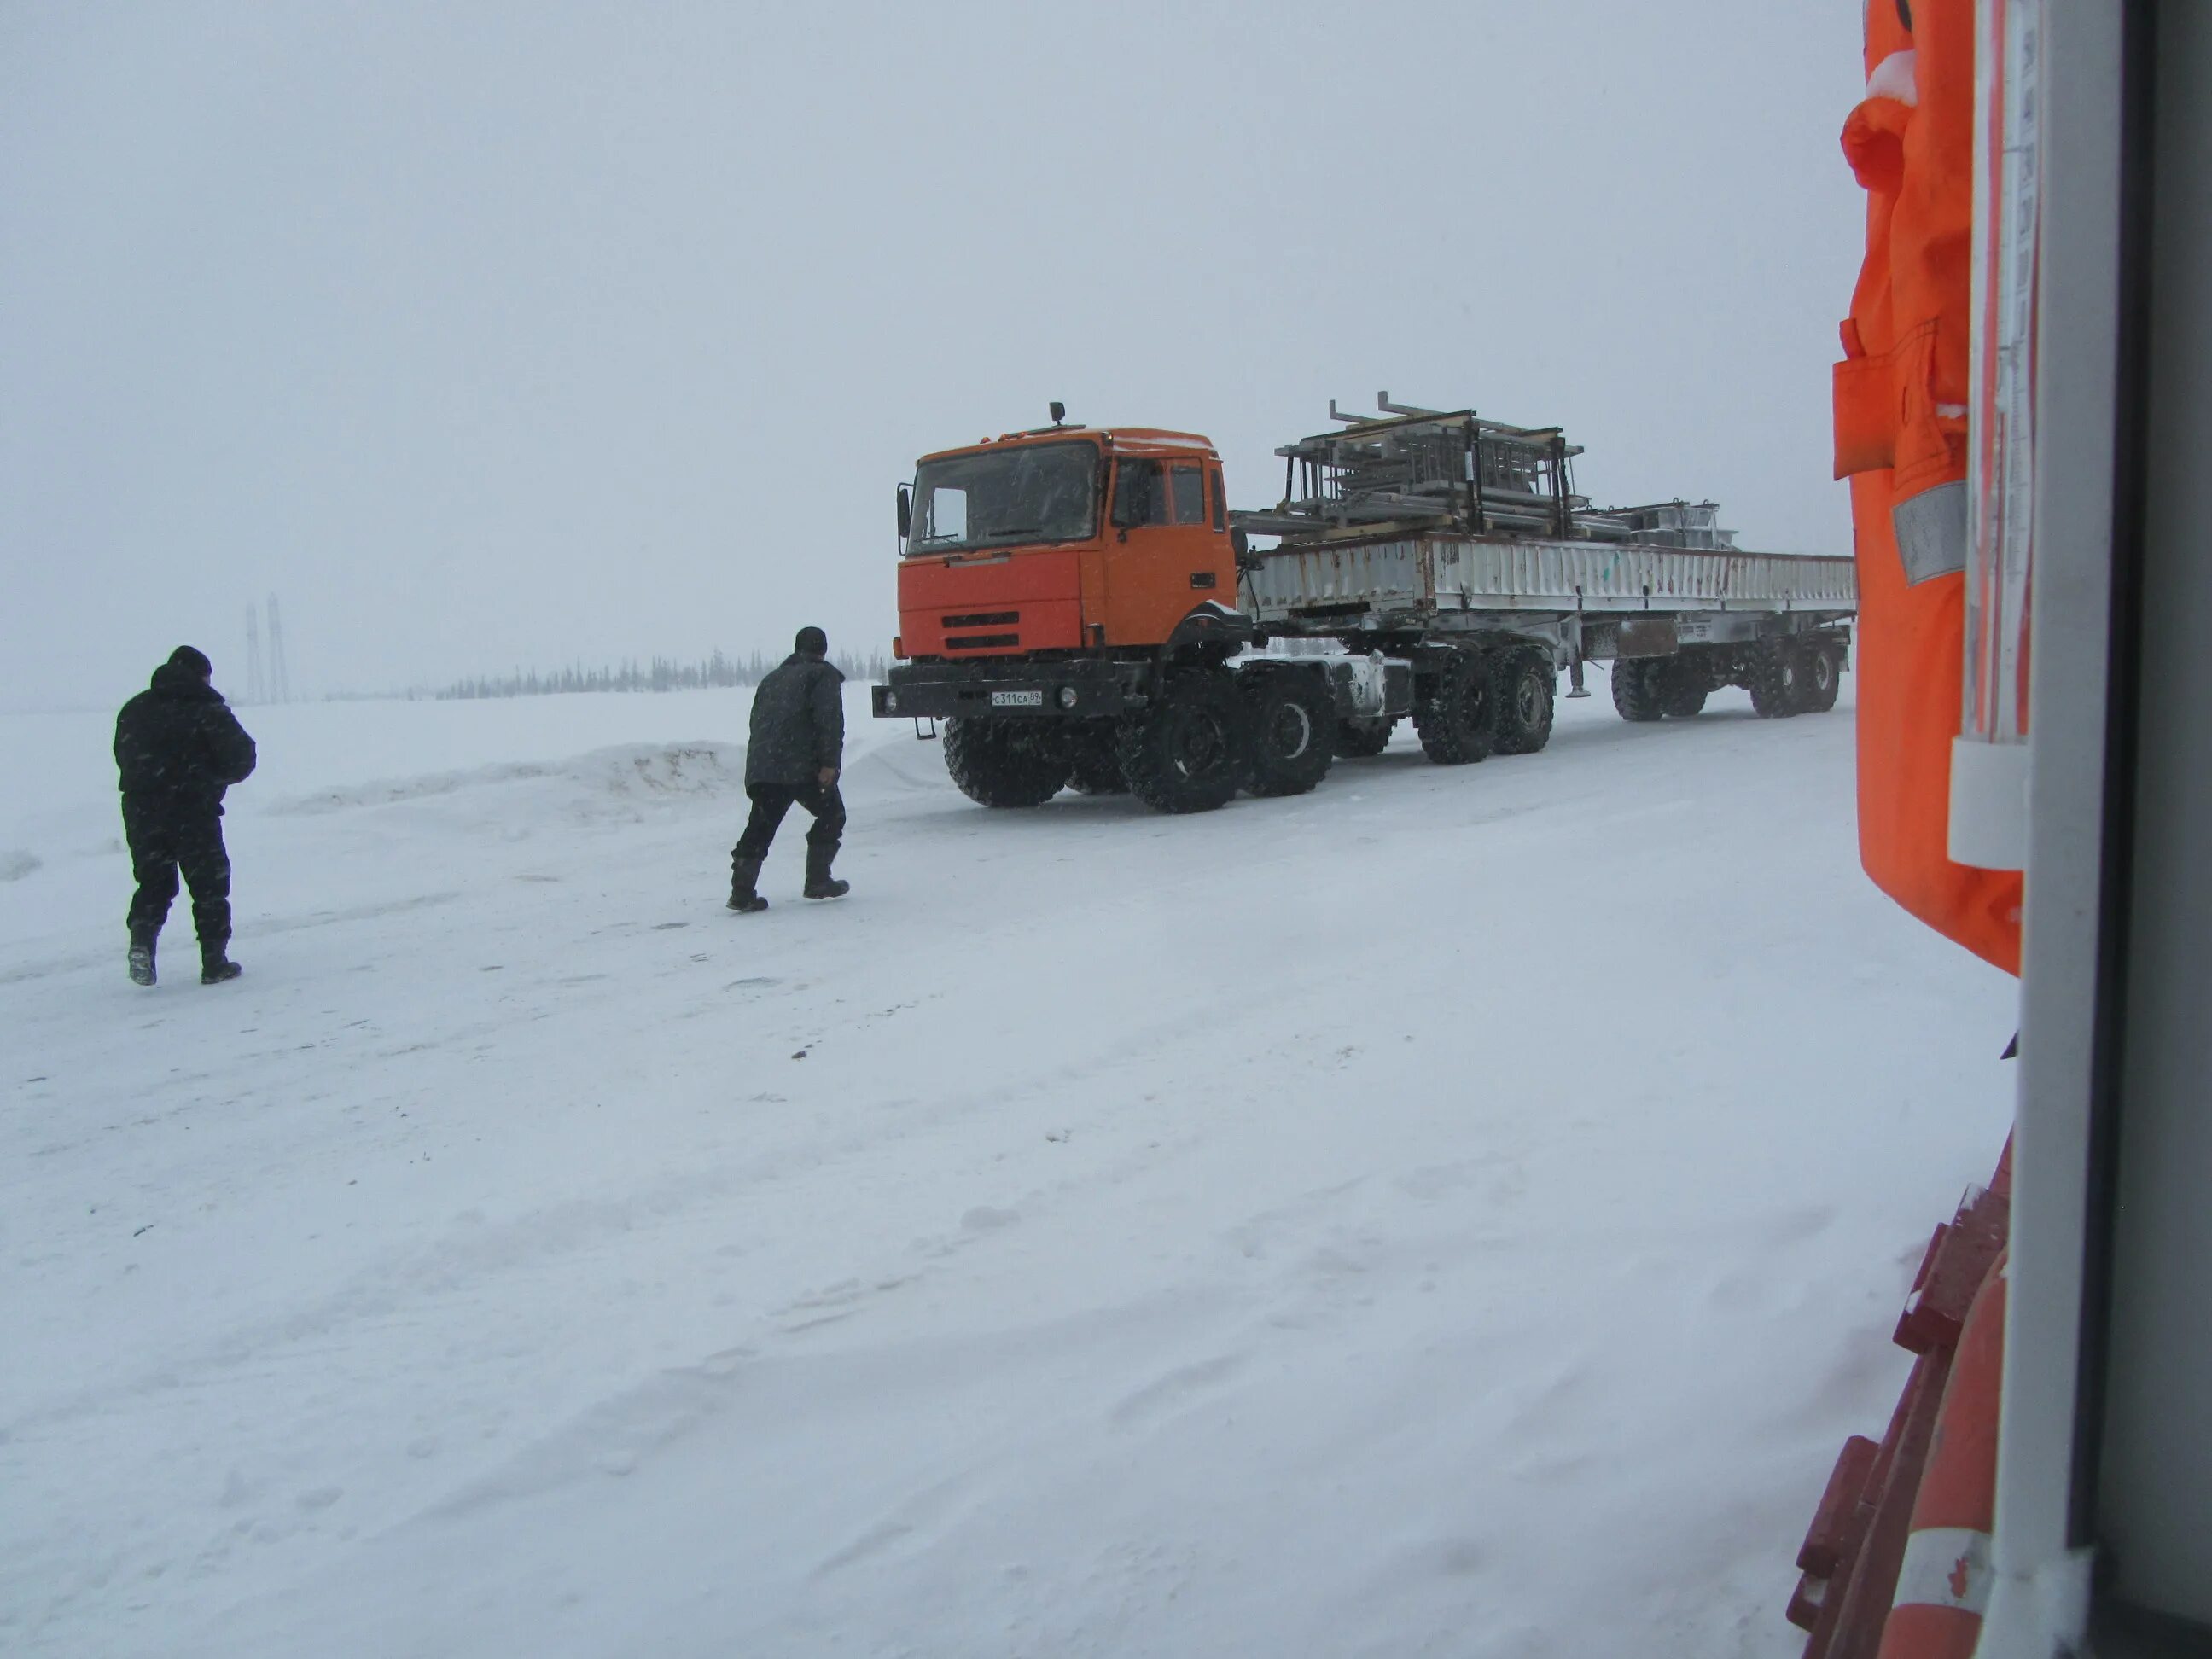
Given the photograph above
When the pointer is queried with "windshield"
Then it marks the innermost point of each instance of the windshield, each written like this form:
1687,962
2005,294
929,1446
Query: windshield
1036,493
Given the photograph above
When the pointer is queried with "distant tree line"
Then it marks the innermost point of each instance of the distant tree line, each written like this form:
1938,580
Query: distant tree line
660,674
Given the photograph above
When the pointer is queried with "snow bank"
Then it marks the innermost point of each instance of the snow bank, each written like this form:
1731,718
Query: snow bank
626,773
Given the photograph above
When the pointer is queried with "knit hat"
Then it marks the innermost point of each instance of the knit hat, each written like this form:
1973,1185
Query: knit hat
192,662
811,642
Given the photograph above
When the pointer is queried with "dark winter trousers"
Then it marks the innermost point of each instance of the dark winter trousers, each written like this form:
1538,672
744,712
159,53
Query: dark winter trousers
165,837
771,800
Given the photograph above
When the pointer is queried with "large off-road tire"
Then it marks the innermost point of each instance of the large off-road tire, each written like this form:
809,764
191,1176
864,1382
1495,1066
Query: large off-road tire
1362,737
1290,717
1683,686
1638,693
1822,670
1777,680
1094,766
1006,763
1524,684
1457,715
1187,750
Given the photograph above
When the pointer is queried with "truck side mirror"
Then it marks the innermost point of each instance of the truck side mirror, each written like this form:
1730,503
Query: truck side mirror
1240,542
905,511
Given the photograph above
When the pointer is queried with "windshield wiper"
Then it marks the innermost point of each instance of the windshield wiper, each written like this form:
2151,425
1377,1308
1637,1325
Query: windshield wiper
1016,530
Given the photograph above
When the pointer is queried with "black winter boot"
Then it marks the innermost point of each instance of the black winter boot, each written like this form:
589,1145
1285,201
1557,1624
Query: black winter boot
142,959
820,884
215,966
744,872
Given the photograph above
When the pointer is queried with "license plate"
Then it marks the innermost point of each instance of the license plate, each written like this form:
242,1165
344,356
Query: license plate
1018,700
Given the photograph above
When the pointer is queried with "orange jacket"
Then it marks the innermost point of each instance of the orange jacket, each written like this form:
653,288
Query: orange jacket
1901,396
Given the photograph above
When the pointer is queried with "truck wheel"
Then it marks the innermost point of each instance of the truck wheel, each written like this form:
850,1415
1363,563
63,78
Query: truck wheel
1523,686
1289,716
1096,768
1186,752
1005,763
1822,673
1683,687
1362,737
1636,692
1775,680
1457,720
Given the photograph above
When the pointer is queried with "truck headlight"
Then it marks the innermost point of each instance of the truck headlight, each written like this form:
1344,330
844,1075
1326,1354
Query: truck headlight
1067,697
890,703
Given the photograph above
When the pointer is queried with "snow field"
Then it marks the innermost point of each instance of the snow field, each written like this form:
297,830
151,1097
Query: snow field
1460,1211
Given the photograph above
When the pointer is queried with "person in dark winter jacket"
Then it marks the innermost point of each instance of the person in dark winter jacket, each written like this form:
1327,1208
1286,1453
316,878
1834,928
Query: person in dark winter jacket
177,747
797,748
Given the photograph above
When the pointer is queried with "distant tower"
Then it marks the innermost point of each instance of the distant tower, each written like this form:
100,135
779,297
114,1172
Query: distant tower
280,675
257,687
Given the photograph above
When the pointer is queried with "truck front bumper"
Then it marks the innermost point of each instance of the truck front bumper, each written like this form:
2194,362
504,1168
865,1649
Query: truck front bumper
999,689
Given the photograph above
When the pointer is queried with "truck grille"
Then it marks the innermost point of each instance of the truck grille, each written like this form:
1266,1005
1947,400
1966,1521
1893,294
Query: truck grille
983,619
980,641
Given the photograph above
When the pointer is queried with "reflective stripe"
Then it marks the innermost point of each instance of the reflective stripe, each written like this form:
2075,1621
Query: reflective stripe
1945,1567
1931,532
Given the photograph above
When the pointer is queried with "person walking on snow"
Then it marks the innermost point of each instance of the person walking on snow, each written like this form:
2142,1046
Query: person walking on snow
177,747
797,748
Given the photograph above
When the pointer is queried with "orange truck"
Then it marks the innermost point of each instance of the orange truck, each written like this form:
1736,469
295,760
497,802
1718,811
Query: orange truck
1081,609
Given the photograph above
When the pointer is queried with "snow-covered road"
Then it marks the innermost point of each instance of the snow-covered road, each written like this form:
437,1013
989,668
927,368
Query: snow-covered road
1458,1212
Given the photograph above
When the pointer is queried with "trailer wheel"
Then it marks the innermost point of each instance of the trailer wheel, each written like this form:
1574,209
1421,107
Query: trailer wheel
1097,768
1636,691
1005,763
1822,671
1289,716
1777,680
1523,685
1457,720
1362,737
1683,686
1186,751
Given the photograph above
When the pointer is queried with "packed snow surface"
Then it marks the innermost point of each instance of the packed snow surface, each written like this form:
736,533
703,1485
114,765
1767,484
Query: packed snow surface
1461,1211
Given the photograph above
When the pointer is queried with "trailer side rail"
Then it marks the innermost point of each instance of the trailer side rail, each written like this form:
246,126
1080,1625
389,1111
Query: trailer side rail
1457,573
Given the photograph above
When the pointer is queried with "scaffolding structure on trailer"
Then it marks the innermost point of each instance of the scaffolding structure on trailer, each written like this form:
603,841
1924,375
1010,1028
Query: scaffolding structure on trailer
1413,469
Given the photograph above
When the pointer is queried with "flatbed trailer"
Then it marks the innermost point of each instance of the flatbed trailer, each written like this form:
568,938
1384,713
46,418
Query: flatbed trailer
1678,624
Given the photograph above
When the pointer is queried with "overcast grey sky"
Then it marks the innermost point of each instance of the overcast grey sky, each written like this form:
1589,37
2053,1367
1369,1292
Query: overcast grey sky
499,334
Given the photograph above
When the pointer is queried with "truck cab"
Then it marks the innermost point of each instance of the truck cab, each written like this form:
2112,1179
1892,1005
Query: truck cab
1064,540
1068,610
